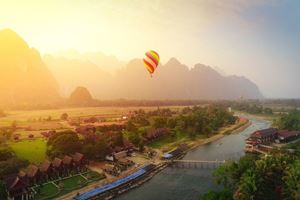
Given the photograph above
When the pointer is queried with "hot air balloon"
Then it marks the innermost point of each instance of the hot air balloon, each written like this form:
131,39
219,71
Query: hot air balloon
151,61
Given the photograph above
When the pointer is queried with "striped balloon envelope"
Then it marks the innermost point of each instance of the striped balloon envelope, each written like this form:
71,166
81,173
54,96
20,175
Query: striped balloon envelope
151,61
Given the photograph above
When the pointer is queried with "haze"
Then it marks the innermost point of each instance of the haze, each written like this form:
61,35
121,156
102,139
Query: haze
258,39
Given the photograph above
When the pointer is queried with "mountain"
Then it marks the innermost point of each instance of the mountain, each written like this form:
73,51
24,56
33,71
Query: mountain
172,80
71,73
80,96
106,63
176,81
24,77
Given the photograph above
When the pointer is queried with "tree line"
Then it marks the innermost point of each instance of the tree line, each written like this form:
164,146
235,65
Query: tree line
258,178
191,121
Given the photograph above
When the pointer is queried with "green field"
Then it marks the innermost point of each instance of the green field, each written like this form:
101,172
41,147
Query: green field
46,191
51,191
168,140
24,118
73,182
93,176
32,150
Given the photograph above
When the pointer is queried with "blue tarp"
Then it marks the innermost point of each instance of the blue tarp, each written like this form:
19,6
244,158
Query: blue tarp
110,186
167,156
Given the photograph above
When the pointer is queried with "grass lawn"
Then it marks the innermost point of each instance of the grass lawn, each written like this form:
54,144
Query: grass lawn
32,150
94,176
47,190
50,191
168,140
72,183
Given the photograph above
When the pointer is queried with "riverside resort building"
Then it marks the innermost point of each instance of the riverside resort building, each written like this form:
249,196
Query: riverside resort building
268,136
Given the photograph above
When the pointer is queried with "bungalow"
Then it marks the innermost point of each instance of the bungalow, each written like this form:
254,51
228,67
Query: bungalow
17,188
33,174
79,161
58,167
46,170
67,164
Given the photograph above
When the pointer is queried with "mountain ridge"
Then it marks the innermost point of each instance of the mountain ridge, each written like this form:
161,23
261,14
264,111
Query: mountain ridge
172,80
24,77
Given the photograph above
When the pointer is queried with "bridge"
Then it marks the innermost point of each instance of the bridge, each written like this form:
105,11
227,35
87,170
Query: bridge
257,150
263,149
203,164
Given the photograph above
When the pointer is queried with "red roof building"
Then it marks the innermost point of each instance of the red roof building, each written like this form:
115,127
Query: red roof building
16,187
287,136
264,136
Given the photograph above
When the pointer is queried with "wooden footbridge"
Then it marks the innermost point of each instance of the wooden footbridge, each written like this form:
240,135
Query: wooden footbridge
203,164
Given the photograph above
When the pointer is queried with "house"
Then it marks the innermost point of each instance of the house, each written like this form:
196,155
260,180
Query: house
23,176
79,161
33,174
119,155
58,167
125,162
67,164
17,188
46,170
288,136
128,146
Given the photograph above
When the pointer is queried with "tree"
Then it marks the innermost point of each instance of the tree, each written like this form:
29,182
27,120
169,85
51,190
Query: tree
130,126
6,154
118,139
160,122
291,189
12,165
261,178
171,123
2,113
14,126
64,116
101,149
65,143
3,193
290,121
218,195
49,118
268,111
134,137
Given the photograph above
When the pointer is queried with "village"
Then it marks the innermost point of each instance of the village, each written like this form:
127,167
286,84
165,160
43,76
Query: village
122,152
121,156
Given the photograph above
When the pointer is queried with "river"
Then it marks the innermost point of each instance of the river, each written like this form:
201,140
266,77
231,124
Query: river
191,183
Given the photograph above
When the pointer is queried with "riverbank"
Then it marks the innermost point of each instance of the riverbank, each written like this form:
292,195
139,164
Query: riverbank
234,129
191,183
242,124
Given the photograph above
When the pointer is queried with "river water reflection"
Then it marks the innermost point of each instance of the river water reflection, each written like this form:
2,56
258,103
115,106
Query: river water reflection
190,184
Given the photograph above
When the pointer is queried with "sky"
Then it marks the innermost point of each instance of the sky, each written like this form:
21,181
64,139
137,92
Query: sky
258,39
